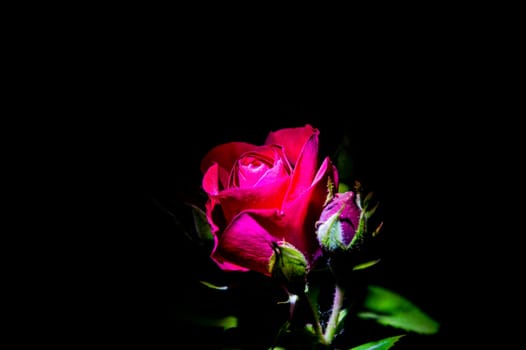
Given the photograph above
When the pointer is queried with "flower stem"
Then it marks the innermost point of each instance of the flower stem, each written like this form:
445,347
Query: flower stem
316,324
330,331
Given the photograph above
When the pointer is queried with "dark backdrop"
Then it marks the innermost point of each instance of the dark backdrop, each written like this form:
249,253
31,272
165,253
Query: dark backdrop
420,108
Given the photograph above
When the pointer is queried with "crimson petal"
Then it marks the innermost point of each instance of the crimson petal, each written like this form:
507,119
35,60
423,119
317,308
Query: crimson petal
245,243
292,140
225,155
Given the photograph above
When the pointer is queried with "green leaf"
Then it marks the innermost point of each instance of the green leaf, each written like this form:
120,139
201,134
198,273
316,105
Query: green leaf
341,320
213,286
202,226
370,212
282,330
377,230
342,188
366,264
221,322
205,320
391,309
367,200
382,344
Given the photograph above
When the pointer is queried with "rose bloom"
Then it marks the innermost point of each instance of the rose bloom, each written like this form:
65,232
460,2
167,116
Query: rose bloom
262,196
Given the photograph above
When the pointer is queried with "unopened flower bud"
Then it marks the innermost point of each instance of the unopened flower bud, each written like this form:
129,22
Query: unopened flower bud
289,266
339,222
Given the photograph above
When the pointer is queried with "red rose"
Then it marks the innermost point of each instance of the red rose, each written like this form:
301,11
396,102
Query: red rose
259,196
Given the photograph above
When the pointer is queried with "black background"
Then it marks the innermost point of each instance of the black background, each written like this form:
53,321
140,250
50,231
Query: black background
123,116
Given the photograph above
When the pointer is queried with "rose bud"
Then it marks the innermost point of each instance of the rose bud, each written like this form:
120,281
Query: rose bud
339,222
344,234
289,266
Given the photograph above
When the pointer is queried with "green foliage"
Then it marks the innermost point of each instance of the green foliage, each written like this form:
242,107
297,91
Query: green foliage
366,264
391,309
330,232
342,187
222,322
202,227
213,286
382,344
341,320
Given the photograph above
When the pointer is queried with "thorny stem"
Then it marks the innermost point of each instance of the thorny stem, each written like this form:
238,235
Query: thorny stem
330,331
316,319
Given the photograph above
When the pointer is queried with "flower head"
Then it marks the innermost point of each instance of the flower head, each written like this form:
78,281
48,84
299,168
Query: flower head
260,196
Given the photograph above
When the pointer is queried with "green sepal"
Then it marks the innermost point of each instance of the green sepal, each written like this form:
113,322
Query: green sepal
330,191
360,232
289,266
330,233
363,230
